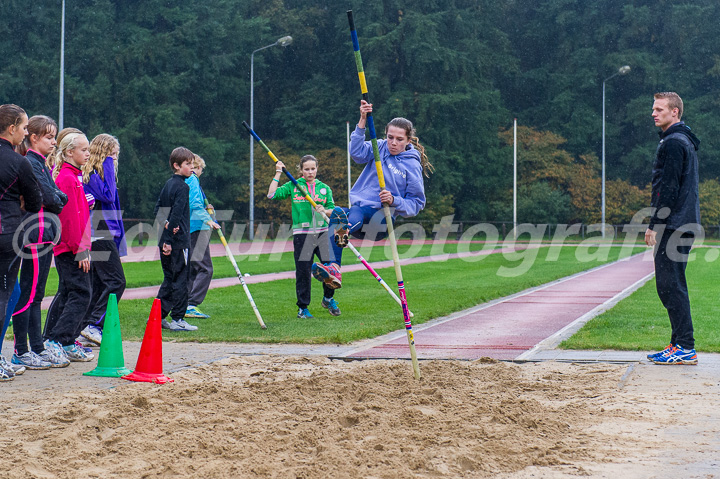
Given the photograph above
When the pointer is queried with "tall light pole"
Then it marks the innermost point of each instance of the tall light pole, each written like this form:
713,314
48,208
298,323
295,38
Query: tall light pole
62,68
621,71
283,42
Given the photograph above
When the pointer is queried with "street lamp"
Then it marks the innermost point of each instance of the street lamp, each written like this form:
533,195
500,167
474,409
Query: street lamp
283,42
621,71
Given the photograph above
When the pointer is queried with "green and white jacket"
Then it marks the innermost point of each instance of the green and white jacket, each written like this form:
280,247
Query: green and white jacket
305,219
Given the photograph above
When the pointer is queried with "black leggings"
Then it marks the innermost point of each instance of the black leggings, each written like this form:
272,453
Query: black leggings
28,323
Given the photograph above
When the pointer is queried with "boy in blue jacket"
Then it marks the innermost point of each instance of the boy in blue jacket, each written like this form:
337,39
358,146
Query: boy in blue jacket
201,226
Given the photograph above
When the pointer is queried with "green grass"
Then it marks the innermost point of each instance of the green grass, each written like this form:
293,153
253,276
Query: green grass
149,273
640,322
433,289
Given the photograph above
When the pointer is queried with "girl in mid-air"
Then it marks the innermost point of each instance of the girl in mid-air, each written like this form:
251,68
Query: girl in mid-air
403,164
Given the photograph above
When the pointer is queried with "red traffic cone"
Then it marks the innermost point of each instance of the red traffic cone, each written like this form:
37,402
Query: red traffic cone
149,363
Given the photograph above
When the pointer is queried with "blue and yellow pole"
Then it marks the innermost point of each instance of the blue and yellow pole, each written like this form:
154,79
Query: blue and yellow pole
386,208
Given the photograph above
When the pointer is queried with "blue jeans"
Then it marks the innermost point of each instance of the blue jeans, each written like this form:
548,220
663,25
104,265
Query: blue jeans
363,222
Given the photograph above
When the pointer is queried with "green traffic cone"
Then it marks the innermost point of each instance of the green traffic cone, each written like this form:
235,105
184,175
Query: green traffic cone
111,361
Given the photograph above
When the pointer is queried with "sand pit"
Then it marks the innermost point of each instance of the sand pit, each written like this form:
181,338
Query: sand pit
295,417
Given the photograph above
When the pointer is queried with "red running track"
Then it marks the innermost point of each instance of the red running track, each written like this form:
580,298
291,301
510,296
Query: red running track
507,328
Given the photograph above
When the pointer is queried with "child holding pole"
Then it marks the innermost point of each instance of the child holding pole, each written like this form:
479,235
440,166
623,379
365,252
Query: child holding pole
201,226
174,241
309,230
403,161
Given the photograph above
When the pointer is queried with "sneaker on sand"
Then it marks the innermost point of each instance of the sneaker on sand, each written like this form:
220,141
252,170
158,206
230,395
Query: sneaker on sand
678,355
78,354
31,361
56,349
85,347
328,274
55,360
657,355
92,333
194,312
6,374
182,325
303,313
331,306
16,369
164,323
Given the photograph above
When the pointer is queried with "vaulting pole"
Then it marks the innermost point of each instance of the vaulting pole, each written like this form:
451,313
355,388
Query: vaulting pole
325,217
386,208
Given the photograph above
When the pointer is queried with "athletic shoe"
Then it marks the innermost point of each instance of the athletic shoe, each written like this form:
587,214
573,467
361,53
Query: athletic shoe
77,354
194,312
85,347
16,369
340,221
303,313
6,374
164,323
55,360
678,355
328,274
31,361
182,325
331,306
92,333
657,355
57,350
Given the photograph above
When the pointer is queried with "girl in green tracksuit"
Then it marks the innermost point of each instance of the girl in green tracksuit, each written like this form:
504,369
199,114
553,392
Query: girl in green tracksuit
309,229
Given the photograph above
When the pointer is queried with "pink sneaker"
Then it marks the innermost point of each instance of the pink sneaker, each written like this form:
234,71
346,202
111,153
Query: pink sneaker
328,274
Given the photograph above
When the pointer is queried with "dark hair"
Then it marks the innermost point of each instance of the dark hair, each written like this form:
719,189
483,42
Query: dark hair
10,115
37,125
674,100
407,126
305,159
180,155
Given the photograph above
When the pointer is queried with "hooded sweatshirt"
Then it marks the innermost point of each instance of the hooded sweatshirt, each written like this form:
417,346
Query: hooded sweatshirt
675,180
75,215
403,176
107,204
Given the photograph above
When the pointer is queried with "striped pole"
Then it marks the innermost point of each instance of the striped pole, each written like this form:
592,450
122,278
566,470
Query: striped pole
386,208
325,217
230,256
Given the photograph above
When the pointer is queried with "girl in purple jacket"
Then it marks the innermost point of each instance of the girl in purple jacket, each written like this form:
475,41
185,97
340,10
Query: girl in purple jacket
108,233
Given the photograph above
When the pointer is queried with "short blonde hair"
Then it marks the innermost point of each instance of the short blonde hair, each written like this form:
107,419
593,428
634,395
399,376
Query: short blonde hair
674,101
198,162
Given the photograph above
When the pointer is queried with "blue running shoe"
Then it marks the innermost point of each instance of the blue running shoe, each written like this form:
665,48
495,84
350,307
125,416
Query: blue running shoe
304,314
328,274
678,355
194,312
657,355
331,305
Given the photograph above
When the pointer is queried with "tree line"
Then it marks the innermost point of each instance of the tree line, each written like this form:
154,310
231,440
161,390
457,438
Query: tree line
158,74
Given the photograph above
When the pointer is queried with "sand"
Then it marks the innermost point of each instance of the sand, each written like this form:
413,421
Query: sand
297,417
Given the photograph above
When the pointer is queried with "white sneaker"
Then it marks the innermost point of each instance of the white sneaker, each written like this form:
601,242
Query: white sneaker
30,360
182,325
164,323
92,333
15,368
76,354
55,360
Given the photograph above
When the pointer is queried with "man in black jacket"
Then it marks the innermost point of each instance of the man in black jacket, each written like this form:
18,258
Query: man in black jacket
675,223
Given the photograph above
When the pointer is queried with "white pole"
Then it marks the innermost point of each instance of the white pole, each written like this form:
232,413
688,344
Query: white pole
348,160
602,194
515,177
62,69
251,229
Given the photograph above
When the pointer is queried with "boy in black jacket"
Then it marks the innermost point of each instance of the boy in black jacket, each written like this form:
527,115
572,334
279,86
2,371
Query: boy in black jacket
174,241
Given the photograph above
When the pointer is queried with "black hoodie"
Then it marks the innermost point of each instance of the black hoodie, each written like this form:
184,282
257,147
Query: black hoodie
675,180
